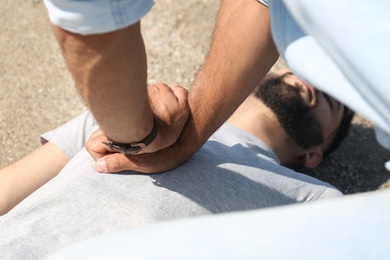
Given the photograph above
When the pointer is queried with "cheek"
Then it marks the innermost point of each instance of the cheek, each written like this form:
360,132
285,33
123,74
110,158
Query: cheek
323,113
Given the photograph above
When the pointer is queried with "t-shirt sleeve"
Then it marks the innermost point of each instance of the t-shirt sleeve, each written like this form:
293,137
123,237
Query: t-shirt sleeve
71,136
264,2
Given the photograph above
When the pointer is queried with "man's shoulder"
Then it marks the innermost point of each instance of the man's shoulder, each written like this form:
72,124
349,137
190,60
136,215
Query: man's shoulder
240,144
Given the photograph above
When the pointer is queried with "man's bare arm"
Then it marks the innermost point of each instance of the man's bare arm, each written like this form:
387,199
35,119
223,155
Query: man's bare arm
241,53
110,72
20,179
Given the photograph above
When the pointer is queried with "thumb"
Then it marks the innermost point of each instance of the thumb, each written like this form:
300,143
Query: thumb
180,93
111,163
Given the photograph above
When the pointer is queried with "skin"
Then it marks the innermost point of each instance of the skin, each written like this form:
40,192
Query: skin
327,109
110,72
224,81
19,180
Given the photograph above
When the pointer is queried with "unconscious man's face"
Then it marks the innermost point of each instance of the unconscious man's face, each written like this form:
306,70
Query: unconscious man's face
309,117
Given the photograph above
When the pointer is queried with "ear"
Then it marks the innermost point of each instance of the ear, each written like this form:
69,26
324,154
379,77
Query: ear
312,158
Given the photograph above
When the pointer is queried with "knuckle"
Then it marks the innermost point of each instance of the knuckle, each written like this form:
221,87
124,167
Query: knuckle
113,163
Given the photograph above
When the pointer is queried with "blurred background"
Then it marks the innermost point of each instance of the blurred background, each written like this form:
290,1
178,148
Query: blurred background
37,93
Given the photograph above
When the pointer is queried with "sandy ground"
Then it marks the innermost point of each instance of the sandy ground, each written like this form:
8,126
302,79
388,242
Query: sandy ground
37,93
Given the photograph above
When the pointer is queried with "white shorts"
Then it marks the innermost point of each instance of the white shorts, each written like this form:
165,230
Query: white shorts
97,16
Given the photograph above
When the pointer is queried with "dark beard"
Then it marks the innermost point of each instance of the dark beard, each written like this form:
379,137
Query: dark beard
291,111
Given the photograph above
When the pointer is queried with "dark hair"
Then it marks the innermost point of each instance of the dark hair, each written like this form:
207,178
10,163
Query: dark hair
343,129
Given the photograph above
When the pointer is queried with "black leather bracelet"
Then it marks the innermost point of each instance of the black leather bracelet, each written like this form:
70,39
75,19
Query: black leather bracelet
133,148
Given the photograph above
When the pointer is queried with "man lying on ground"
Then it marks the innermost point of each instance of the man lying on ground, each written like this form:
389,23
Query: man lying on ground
285,122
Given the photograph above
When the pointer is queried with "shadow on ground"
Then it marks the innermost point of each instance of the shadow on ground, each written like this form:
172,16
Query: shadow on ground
358,165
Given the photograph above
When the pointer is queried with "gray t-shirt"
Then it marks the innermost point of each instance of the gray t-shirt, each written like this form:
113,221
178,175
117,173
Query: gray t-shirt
234,171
